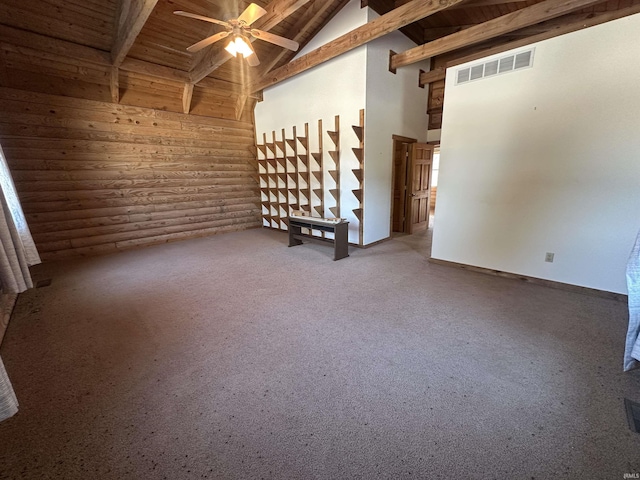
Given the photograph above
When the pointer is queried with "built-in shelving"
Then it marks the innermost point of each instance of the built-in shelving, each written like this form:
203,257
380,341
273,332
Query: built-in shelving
359,174
293,177
334,135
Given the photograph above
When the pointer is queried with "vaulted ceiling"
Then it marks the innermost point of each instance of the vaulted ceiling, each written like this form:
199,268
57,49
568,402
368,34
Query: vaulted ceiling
474,28
145,38
160,38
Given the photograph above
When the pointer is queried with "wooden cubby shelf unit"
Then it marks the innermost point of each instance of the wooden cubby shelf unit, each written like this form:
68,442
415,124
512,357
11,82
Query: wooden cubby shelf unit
359,174
276,181
334,135
293,184
263,175
292,177
304,141
271,147
318,174
304,159
359,131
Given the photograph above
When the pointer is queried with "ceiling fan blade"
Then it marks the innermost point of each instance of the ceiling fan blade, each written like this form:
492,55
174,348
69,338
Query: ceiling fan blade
275,39
207,41
252,13
252,60
200,17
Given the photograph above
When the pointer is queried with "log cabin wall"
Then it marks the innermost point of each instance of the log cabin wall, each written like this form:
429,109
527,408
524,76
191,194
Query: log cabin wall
95,176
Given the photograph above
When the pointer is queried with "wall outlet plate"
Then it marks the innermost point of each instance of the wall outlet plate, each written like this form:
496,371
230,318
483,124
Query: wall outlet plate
549,257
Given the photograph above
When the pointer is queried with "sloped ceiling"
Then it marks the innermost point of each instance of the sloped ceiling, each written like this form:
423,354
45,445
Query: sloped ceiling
159,48
474,12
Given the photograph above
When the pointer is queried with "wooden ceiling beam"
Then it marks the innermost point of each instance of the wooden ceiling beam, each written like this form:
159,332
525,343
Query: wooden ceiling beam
432,76
241,102
315,11
187,95
433,33
389,22
510,22
486,3
277,11
154,70
178,76
554,30
413,31
473,3
114,84
543,27
132,15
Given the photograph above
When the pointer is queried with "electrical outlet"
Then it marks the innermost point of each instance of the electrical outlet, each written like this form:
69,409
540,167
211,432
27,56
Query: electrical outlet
549,257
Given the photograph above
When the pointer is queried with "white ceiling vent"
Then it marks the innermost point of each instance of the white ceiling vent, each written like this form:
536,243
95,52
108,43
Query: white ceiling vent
516,61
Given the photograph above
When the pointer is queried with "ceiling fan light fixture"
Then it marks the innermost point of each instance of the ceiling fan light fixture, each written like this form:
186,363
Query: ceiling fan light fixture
238,45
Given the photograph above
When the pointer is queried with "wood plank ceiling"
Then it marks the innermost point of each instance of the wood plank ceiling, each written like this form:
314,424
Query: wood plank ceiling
147,42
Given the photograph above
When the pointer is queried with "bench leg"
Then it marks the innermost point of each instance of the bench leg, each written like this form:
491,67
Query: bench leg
294,230
341,241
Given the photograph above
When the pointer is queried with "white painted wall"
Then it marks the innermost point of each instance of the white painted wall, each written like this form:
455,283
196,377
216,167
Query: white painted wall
396,105
547,159
349,18
434,135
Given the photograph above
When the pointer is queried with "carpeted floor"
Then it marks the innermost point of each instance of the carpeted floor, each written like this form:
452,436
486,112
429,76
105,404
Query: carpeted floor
236,357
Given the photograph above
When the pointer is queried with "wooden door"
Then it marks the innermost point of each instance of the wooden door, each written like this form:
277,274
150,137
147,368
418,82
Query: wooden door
419,191
400,177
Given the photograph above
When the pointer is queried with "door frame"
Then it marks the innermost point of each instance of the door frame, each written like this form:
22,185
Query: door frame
396,139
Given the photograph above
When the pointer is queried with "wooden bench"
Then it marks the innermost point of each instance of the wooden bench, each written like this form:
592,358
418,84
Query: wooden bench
338,227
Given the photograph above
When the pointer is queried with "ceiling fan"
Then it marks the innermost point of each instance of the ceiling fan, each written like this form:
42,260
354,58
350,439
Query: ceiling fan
240,31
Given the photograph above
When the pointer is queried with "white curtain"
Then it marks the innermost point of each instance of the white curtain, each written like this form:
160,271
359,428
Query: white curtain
8,400
632,347
18,249
17,253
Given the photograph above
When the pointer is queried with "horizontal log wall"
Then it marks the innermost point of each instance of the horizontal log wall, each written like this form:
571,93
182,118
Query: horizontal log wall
96,177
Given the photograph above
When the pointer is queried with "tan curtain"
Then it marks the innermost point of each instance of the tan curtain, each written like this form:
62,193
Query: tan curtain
17,253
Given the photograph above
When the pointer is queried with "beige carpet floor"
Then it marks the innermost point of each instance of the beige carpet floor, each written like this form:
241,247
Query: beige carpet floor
235,357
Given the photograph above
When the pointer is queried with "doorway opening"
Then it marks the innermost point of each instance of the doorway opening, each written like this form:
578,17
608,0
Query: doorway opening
411,186
435,170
